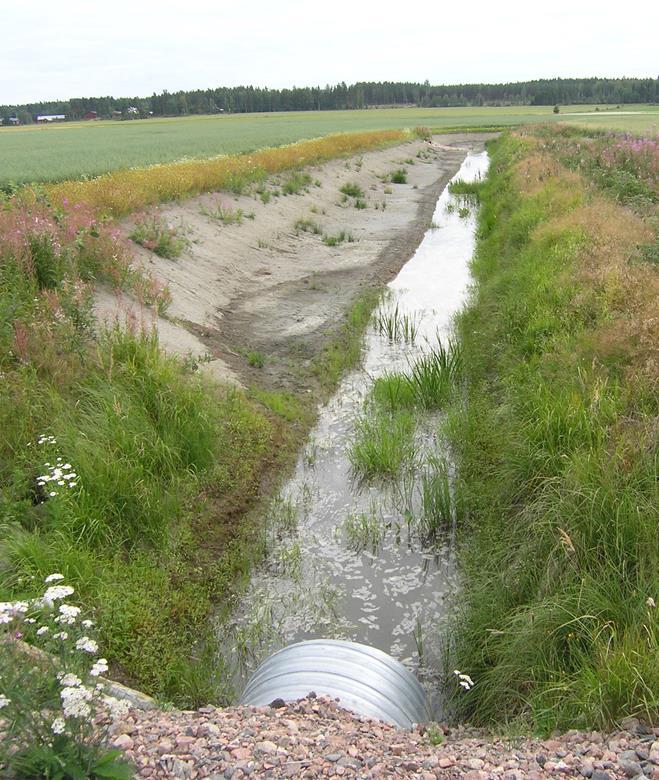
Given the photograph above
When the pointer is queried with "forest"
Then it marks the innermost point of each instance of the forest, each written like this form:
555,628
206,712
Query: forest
247,99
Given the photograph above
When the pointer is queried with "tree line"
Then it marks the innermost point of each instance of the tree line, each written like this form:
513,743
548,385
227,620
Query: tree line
363,94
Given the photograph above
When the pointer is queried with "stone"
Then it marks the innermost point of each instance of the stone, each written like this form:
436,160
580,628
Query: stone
475,763
265,746
630,768
445,762
124,742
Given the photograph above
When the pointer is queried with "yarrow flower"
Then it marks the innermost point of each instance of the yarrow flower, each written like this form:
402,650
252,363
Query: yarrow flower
43,630
100,667
87,623
4,701
86,644
68,680
61,635
75,701
54,578
117,708
68,614
56,593
58,726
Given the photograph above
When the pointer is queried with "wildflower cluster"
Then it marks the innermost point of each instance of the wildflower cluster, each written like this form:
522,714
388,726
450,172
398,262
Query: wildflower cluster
56,705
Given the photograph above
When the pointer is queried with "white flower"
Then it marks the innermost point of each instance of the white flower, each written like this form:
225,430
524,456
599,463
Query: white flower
100,667
54,577
4,701
86,644
58,726
5,617
117,707
57,592
87,623
650,602
69,680
68,614
464,679
43,630
75,701
61,635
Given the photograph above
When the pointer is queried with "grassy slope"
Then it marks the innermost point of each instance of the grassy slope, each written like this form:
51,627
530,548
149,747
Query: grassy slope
57,152
157,530
556,446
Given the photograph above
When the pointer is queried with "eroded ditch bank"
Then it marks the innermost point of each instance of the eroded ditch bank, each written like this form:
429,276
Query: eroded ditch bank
369,556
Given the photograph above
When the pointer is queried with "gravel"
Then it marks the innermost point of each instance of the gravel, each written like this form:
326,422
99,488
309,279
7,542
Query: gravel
314,737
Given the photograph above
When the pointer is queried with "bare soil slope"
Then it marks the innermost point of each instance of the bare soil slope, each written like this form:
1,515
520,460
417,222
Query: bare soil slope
265,286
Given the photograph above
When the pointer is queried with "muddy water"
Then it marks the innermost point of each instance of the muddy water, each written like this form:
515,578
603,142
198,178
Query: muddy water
382,584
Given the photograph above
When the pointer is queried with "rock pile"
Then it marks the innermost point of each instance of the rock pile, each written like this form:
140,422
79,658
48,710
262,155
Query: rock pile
315,738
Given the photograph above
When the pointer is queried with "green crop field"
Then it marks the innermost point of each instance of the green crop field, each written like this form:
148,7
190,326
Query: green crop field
74,150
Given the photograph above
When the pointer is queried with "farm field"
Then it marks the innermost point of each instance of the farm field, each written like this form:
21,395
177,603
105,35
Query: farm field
68,151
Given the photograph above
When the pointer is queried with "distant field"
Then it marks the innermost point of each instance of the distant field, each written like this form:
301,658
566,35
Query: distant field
74,150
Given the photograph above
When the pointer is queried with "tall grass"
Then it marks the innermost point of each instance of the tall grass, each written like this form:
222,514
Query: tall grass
116,459
556,453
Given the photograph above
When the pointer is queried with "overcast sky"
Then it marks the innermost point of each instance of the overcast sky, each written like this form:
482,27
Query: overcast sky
73,48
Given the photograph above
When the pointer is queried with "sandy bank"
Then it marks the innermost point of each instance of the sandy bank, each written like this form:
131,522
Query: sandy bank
265,286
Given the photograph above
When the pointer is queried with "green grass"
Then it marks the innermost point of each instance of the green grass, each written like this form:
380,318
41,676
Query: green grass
399,176
555,444
383,444
152,447
344,349
74,150
429,383
296,183
338,238
352,190
308,226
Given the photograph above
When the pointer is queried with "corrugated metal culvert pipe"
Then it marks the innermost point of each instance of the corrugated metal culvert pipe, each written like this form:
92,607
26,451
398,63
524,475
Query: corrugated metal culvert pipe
364,680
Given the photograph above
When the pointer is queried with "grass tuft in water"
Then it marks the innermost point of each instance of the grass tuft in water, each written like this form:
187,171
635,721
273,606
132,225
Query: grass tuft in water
363,530
384,444
396,326
434,374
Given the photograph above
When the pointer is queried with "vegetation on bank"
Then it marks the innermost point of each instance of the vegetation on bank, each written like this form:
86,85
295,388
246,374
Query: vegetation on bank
119,468
127,190
123,468
555,437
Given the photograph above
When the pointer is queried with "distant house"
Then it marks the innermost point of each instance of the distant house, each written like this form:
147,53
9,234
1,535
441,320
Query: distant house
132,110
91,115
117,115
14,120
45,118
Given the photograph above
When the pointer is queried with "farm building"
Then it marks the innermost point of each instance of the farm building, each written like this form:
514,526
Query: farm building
90,115
43,118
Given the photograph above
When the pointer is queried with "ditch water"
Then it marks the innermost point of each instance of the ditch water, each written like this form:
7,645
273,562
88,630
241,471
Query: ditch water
345,559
